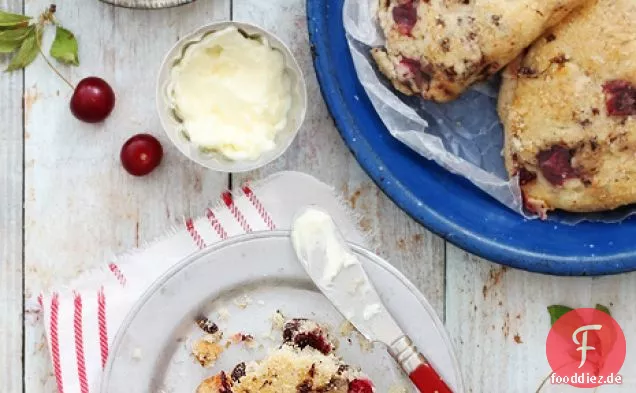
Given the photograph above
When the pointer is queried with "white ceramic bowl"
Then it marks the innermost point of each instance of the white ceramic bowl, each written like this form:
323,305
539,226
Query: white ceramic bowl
217,161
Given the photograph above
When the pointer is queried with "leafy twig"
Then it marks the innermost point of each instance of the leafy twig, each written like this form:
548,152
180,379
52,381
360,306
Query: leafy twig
22,35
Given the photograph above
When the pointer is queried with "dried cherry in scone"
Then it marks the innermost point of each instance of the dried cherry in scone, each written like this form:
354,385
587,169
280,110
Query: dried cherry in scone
405,16
526,176
414,68
304,333
556,164
620,98
360,386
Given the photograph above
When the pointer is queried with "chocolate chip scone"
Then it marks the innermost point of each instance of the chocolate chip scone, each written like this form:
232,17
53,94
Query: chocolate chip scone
438,48
569,110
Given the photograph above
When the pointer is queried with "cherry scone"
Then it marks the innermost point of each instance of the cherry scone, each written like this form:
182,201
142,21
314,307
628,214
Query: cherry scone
568,107
438,48
304,363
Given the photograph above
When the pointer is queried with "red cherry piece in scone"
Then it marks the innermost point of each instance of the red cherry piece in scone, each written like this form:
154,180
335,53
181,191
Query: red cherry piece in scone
525,176
556,164
620,98
360,386
305,333
405,16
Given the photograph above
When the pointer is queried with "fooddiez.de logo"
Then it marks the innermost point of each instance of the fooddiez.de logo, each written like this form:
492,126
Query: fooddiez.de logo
586,348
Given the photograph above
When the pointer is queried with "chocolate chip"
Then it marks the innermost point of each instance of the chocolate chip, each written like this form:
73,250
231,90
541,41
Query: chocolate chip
450,73
526,71
304,387
560,59
238,372
445,44
206,325
550,37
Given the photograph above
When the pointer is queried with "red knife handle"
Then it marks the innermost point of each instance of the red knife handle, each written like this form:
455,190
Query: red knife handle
422,374
427,380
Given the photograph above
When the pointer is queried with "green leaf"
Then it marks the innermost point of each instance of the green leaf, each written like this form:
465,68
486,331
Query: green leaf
601,307
13,20
64,48
557,311
28,51
10,40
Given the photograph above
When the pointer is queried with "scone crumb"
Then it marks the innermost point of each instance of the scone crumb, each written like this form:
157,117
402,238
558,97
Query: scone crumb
213,338
346,328
223,314
243,301
136,354
216,384
237,338
207,350
397,389
278,320
365,345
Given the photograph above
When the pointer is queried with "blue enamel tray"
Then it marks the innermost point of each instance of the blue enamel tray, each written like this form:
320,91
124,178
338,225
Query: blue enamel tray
445,203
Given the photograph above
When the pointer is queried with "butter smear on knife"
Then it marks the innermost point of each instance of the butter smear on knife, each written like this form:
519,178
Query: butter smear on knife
315,231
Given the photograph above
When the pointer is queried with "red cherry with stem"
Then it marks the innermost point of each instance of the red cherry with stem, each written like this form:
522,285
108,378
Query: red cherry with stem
141,154
93,100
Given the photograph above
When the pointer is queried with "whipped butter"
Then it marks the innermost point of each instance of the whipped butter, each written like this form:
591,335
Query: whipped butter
314,231
333,266
232,94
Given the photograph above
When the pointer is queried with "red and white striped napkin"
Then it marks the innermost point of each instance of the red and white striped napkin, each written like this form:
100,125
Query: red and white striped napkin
82,319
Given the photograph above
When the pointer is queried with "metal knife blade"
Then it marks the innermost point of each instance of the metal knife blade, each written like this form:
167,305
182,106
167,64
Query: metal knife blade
337,272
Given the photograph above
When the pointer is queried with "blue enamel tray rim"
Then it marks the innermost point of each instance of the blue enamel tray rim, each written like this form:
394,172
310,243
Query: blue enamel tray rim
325,31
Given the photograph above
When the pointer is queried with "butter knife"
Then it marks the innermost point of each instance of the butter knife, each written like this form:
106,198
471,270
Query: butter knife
337,272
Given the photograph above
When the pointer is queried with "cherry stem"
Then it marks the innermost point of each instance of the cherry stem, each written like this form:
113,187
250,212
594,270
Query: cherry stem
48,62
544,382
47,16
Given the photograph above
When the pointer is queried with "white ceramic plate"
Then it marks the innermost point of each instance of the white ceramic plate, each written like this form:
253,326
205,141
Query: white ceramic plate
148,3
151,352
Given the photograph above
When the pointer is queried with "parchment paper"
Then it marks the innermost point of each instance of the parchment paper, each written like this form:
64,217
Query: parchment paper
463,136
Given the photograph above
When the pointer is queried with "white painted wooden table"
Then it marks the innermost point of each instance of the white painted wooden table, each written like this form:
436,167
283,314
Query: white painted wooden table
66,205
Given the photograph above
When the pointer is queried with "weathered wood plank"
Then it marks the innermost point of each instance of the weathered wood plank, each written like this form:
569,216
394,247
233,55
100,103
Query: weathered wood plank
81,207
498,320
11,222
320,151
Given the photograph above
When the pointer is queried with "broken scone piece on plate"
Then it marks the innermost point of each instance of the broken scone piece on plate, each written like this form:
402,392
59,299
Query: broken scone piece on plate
305,362
438,48
568,107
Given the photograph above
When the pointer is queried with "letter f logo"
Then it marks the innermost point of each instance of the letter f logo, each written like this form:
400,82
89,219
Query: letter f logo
584,347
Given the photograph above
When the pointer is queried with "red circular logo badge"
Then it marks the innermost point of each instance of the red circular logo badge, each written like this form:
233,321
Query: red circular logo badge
586,349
